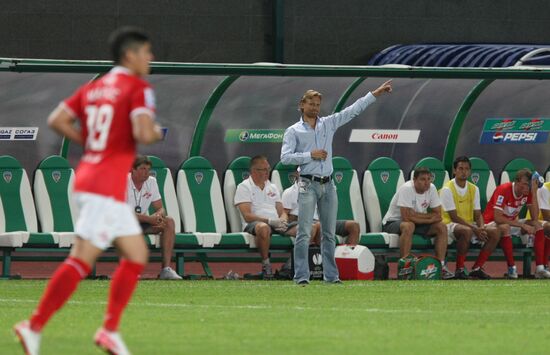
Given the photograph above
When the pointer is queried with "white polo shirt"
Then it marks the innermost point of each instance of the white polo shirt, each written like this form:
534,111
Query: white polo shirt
407,196
263,202
143,198
290,201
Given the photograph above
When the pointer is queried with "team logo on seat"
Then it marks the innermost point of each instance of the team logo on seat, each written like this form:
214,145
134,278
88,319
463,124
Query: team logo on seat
153,173
338,176
245,175
7,176
198,177
385,176
433,176
56,176
475,178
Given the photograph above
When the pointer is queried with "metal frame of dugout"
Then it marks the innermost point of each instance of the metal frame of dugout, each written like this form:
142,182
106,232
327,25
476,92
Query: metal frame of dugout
232,72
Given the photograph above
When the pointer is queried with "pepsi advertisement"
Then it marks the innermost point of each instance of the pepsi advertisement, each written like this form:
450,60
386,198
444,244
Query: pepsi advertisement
515,131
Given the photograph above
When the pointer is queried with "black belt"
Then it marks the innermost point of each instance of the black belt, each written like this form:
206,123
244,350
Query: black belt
319,179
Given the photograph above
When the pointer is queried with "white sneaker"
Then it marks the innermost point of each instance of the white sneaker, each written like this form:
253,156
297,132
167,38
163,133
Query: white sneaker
512,273
169,274
542,274
110,342
446,274
30,340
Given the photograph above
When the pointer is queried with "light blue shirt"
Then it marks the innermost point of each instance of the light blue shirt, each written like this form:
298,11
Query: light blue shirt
300,139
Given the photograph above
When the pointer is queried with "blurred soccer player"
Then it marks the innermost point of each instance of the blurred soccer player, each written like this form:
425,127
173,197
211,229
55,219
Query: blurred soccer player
114,112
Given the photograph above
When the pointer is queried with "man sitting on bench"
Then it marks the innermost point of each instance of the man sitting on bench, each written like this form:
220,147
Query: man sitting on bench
143,192
262,213
408,214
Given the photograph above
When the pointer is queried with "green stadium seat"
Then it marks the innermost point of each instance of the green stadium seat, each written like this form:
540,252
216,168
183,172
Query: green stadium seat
18,224
237,171
380,182
283,175
483,178
350,203
57,213
201,205
439,175
511,168
167,191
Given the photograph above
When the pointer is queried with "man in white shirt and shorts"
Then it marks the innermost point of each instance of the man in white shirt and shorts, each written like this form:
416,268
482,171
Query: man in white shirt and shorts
408,214
262,212
142,193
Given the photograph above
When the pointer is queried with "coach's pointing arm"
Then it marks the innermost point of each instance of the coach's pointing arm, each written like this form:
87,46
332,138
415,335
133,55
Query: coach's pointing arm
339,119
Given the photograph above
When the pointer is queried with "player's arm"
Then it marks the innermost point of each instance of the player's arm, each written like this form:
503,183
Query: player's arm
246,210
457,219
62,122
435,214
499,218
281,211
143,218
410,215
145,129
478,218
291,217
159,209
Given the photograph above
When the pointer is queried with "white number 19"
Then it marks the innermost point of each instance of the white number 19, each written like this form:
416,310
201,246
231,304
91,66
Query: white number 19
99,121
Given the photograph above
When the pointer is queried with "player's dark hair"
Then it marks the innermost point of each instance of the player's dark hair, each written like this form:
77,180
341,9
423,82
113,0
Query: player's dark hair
141,159
526,173
257,159
421,171
462,159
126,38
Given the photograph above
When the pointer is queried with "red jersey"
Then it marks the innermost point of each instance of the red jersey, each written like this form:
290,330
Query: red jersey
105,108
505,200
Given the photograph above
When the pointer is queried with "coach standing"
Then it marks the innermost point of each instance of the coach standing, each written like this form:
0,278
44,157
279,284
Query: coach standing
308,143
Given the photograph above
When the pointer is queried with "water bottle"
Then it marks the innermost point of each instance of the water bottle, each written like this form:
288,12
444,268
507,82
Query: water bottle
540,180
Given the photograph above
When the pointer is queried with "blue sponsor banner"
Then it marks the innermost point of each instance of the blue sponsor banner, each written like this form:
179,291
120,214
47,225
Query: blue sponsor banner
513,137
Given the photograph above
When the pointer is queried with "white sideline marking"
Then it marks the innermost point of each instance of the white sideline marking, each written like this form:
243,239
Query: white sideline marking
299,308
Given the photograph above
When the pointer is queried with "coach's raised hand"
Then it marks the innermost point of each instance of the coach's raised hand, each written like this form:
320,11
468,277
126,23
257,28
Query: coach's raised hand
386,87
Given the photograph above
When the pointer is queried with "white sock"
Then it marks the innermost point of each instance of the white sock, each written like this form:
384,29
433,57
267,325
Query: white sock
266,261
540,267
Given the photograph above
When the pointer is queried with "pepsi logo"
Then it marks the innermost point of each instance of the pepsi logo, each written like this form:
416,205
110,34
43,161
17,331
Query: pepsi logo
498,137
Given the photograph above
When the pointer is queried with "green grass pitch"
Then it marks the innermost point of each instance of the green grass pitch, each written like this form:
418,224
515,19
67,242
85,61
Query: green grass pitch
255,317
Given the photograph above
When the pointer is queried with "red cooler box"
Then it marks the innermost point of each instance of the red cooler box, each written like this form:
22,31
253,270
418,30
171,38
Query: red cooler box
355,262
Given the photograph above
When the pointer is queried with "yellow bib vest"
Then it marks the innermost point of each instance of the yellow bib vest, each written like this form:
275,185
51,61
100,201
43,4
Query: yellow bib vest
464,204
